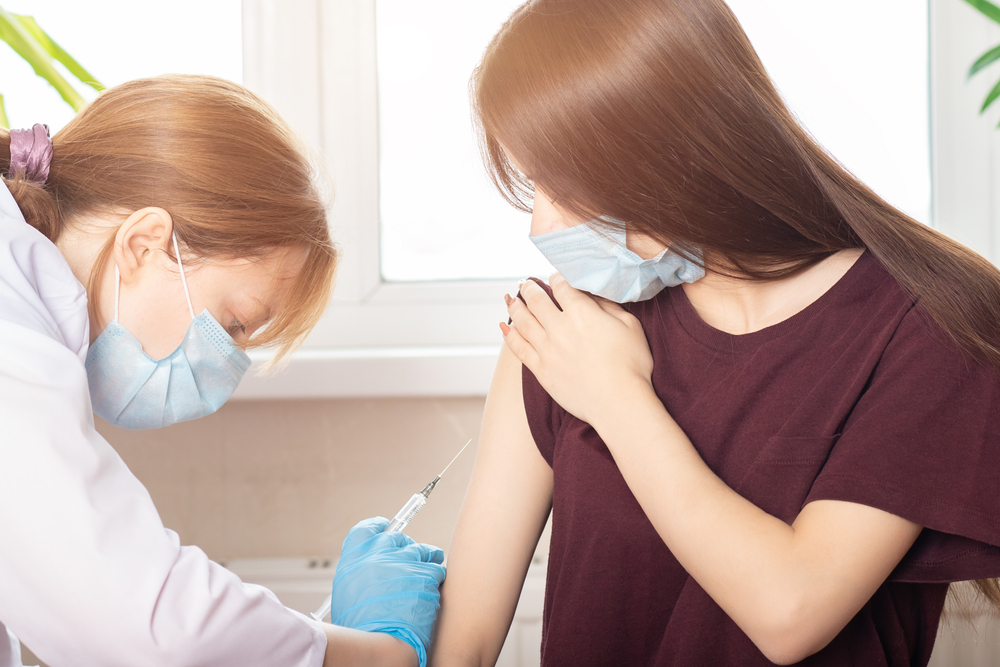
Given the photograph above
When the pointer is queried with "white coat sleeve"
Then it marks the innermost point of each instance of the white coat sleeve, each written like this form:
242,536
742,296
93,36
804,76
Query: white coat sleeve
89,576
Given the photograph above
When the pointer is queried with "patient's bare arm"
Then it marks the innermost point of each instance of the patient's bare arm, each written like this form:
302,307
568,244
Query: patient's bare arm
503,515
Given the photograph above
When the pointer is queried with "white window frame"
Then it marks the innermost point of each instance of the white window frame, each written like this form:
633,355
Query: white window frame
315,60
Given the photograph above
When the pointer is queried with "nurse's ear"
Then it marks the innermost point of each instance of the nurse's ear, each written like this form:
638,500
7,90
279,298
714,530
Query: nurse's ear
139,238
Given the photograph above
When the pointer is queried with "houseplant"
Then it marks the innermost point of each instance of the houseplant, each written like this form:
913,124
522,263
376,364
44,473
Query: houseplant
992,12
26,37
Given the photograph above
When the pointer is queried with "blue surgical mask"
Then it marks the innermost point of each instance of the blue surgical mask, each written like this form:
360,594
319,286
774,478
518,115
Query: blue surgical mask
598,261
130,389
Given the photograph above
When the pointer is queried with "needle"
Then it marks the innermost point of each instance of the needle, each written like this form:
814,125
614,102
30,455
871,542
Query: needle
434,482
456,457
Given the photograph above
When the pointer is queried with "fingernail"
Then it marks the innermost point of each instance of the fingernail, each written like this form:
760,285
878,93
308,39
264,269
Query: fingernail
505,329
520,283
508,300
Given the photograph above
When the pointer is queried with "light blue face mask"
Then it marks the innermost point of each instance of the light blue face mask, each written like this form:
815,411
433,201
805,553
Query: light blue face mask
130,389
598,261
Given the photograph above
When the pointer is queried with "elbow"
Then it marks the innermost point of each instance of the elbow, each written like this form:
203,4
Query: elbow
792,634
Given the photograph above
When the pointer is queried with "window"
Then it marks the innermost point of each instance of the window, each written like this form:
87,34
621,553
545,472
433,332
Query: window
427,323
440,216
856,77
379,88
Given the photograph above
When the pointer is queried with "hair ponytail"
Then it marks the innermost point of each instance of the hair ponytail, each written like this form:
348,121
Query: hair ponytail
36,204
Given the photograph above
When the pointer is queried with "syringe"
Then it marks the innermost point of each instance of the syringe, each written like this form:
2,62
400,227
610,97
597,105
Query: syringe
400,521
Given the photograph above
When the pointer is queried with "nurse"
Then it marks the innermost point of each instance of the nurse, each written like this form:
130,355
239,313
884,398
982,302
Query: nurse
169,226
785,443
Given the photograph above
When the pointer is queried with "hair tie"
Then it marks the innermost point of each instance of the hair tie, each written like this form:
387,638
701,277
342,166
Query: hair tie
31,153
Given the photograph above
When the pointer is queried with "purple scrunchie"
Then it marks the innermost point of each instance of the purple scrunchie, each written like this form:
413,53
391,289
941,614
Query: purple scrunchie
31,152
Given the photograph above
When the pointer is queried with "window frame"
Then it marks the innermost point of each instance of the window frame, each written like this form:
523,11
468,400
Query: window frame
377,338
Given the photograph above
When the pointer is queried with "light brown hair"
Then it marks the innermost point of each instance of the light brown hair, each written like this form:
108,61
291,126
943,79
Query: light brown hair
660,114
234,178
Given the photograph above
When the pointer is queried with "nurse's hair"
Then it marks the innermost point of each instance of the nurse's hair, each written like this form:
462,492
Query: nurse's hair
659,113
234,178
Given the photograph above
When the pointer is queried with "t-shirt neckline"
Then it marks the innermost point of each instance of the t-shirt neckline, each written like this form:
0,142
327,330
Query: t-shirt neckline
704,333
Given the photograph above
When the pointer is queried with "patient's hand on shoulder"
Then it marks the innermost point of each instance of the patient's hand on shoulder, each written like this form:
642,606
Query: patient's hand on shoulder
589,354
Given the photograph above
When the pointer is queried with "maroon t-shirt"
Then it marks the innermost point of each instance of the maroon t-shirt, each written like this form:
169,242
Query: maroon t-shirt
858,397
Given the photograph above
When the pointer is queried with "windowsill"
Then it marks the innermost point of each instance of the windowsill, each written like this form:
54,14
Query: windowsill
373,372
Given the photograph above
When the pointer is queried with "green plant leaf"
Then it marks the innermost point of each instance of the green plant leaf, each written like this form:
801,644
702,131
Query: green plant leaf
57,52
24,43
985,60
4,123
991,98
987,8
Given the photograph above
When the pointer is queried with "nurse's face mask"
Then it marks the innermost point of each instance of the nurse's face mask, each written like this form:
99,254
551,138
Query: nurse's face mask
130,389
599,261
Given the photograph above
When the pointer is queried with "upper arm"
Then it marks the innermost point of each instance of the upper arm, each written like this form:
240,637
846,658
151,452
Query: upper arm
502,517
849,551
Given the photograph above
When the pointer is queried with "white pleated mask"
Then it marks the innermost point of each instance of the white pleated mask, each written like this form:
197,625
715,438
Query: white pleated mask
598,261
130,389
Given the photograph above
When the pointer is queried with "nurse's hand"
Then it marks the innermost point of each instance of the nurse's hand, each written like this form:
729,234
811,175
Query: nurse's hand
386,582
589,354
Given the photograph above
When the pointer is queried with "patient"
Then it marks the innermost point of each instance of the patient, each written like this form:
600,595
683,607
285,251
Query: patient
782,446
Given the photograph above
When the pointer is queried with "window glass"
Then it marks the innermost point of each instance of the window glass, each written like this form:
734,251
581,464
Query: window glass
120,40
856,77
441,217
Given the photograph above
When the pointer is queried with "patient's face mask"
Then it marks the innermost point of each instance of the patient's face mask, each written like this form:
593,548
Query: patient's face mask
130,389
598,261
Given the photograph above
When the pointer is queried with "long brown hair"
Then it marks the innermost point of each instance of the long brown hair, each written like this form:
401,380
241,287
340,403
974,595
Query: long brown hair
233,176
659,113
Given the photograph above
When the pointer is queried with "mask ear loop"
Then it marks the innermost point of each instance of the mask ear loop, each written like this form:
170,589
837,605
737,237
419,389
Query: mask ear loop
183,279
118,284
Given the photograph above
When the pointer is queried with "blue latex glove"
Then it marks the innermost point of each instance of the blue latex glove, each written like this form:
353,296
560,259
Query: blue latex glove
386,582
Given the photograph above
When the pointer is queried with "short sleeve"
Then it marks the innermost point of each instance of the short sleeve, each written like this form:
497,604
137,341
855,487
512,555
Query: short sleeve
923,443
544,414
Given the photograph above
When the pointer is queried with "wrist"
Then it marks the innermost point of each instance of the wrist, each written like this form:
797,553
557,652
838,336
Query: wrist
347,647
408,646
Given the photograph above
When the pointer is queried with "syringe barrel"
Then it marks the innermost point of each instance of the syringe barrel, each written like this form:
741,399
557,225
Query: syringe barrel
405,516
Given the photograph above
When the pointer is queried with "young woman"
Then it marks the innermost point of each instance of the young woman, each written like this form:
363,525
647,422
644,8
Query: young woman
786,444
170,225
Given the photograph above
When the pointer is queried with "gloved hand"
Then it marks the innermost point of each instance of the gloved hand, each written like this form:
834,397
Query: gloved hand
386,582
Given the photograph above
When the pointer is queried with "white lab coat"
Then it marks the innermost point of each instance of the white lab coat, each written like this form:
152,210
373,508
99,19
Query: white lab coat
88,573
